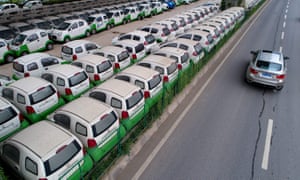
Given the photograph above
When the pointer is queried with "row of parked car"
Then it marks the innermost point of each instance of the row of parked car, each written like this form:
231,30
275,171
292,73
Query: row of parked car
61,115
20,38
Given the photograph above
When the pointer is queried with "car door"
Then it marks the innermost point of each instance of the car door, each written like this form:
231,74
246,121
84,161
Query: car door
11,154
3,49
74,30
33,42
81,28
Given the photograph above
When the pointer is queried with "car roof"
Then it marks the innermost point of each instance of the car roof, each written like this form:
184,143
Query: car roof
128,42
185,41
31,31
171,50
112,49
86,108
3,27
47,137
31,57
17,24
74,20
65,70
77,42
29,84
158,26
197,31
119,87
271,56
139,32
139,71
92,59
161,60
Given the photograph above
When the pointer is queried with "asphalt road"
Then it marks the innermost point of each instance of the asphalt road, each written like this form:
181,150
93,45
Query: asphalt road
233,130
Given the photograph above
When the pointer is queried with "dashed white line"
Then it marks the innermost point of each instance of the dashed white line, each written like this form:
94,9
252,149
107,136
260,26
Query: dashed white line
282,35
285,16
284,24
280,49
265,160
286,11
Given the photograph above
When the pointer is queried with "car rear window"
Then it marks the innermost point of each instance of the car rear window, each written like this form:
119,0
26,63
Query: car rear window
198,48
171,68
105,122
104,66
154,82
184,57
67,50
268,65
18,67
134,99
77,78
7,114
150,38
166,31
139,48
41,94
63,156
123,56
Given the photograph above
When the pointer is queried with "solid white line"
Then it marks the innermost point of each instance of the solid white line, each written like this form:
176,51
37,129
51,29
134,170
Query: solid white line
280,49
265,160
180,118
284,24
282,35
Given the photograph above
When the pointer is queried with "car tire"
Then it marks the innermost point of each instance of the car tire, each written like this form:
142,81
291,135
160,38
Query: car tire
94,31
24,53
87,34
108,27
67,39
9,58
278,88
49,46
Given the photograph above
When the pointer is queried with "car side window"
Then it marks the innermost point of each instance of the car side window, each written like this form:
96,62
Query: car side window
20,99
99,19
136,38
74,26
129,49
159,69
145,29
89,69
47,77
98,95
32,66
81,129
11,152
111,58
170,45
175,58
186,36
78,64
60,82
90,46
31,166
141,84
123,78
43,34
78,50
81,23
154,31
32,37
116,103
184,47
2,44
62,120
197,38
8,94
145,65
127,36
49,61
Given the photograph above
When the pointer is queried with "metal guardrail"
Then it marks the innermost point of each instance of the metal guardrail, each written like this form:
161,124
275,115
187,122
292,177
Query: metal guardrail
50,10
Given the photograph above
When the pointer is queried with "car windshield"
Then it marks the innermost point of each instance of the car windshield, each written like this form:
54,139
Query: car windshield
7,114
172,68
139,48
44,25
41,94
104,66
57,21
123,56
90,19
268,65
134,99
154,82
18,67
184,58
150,38
105,122
63,26
19,39
26,27
7,34
78,78
62,156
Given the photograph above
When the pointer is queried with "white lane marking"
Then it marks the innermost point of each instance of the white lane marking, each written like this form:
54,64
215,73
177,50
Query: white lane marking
285,16
180,118
280,49
284,24
286,11
282,35
265,160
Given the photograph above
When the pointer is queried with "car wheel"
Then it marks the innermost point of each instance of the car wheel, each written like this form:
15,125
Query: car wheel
278,88
24,53
94,31
87,34
67,39
108,26
9,58
49,46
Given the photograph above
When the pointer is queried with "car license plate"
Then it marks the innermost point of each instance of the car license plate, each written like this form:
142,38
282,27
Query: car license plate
266,75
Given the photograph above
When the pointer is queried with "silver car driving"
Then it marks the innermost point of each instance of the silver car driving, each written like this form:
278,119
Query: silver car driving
267,68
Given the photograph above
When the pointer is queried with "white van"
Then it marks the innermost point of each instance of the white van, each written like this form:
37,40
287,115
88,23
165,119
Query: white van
70,81
119,56
212,30
164,65
136,49
127,100
97,67
34,97
33,65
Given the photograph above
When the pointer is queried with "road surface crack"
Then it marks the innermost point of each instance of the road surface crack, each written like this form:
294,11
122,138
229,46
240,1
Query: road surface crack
258,135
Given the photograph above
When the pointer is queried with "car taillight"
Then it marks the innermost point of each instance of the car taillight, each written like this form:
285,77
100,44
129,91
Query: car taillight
281,76
91,143
195,53
58,95
253,71
117,66
134,56
145,43
96,77
43,179
162,35
68,91
207,43
74,57
26,74
171,30
21,117
29,110
179,66
84,151
124,115
8,47
166,79
215,36
146,94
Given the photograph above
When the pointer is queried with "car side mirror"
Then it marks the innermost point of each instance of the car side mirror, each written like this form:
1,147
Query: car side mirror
286,58
254,52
